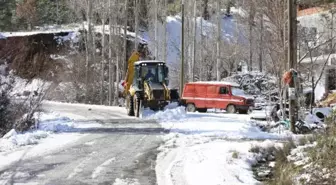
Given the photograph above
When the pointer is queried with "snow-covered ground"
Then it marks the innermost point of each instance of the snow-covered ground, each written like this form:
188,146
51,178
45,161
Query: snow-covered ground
201,148
50,135
209,148
54,130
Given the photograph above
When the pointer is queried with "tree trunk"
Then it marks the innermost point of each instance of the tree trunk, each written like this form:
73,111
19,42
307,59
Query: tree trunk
88,50
219,29
165,32
156,29
202,50
250,47
194,41
110,95
102,63
124,61
206,14
116,93
261,42
136,12
118,59
312,98
251,20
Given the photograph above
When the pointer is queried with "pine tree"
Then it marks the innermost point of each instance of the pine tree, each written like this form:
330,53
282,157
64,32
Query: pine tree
7,8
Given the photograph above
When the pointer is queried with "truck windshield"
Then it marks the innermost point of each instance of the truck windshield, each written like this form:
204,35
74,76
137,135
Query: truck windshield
237,91
153,73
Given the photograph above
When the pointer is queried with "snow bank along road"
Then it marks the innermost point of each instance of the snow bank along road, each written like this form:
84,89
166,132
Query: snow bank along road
102,146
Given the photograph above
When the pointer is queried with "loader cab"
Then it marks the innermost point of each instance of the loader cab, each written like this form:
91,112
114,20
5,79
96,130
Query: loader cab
150,71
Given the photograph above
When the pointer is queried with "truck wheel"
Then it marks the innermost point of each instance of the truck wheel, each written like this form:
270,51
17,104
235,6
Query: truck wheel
137,105
191,107
231,109
129,105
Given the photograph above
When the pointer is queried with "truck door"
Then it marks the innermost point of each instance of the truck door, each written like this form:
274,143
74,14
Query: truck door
200,96
211,97
224,97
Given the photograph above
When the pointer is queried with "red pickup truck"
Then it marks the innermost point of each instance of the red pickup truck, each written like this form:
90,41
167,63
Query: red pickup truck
200,96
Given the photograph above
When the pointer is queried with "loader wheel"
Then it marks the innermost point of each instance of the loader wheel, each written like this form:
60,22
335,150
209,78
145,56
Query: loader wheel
191,107
231,109
137,105
129,105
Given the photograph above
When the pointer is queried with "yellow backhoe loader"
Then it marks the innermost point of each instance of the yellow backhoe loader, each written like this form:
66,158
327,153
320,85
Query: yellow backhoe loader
147,85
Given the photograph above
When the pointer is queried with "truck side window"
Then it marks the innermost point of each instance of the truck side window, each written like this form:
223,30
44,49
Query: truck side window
223,90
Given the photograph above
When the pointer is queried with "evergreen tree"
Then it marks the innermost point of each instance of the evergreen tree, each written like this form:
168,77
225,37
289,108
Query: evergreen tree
54,12
7,9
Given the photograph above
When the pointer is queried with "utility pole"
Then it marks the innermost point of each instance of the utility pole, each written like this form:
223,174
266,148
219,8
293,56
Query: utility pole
182,51
292,59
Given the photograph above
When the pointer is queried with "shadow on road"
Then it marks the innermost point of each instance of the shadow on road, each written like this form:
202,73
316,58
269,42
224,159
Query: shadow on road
121,130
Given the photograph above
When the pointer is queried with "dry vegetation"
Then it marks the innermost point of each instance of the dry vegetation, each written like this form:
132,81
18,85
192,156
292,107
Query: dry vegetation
320,167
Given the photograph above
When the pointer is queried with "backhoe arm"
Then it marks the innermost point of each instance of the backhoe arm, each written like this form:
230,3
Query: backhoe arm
130,70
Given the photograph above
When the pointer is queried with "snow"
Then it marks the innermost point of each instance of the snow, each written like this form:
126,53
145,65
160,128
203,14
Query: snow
148,61
209,148
217,83
48,123
50,144
228,126
325,111
21,86
50,135
230,32
215,162
101,168
126,182
265,113
2,36
29,33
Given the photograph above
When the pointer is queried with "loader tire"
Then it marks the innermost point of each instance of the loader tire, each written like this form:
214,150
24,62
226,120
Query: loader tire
137,105
129,105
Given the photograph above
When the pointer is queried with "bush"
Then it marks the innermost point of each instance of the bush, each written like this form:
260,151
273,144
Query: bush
16,113
256,84
5,103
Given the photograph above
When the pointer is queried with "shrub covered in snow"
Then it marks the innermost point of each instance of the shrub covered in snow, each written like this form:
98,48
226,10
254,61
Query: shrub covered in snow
16,112
256,84
6,118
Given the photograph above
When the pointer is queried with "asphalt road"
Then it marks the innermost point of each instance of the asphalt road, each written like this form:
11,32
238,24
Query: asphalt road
123,151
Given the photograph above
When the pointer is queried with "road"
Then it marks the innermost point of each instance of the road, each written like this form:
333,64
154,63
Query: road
121,150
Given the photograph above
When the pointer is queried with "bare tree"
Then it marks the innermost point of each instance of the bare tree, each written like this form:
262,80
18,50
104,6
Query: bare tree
219,40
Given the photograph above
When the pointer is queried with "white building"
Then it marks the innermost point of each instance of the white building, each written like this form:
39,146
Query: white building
316,31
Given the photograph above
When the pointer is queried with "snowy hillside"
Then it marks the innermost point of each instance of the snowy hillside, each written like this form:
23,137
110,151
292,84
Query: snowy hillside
231,33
